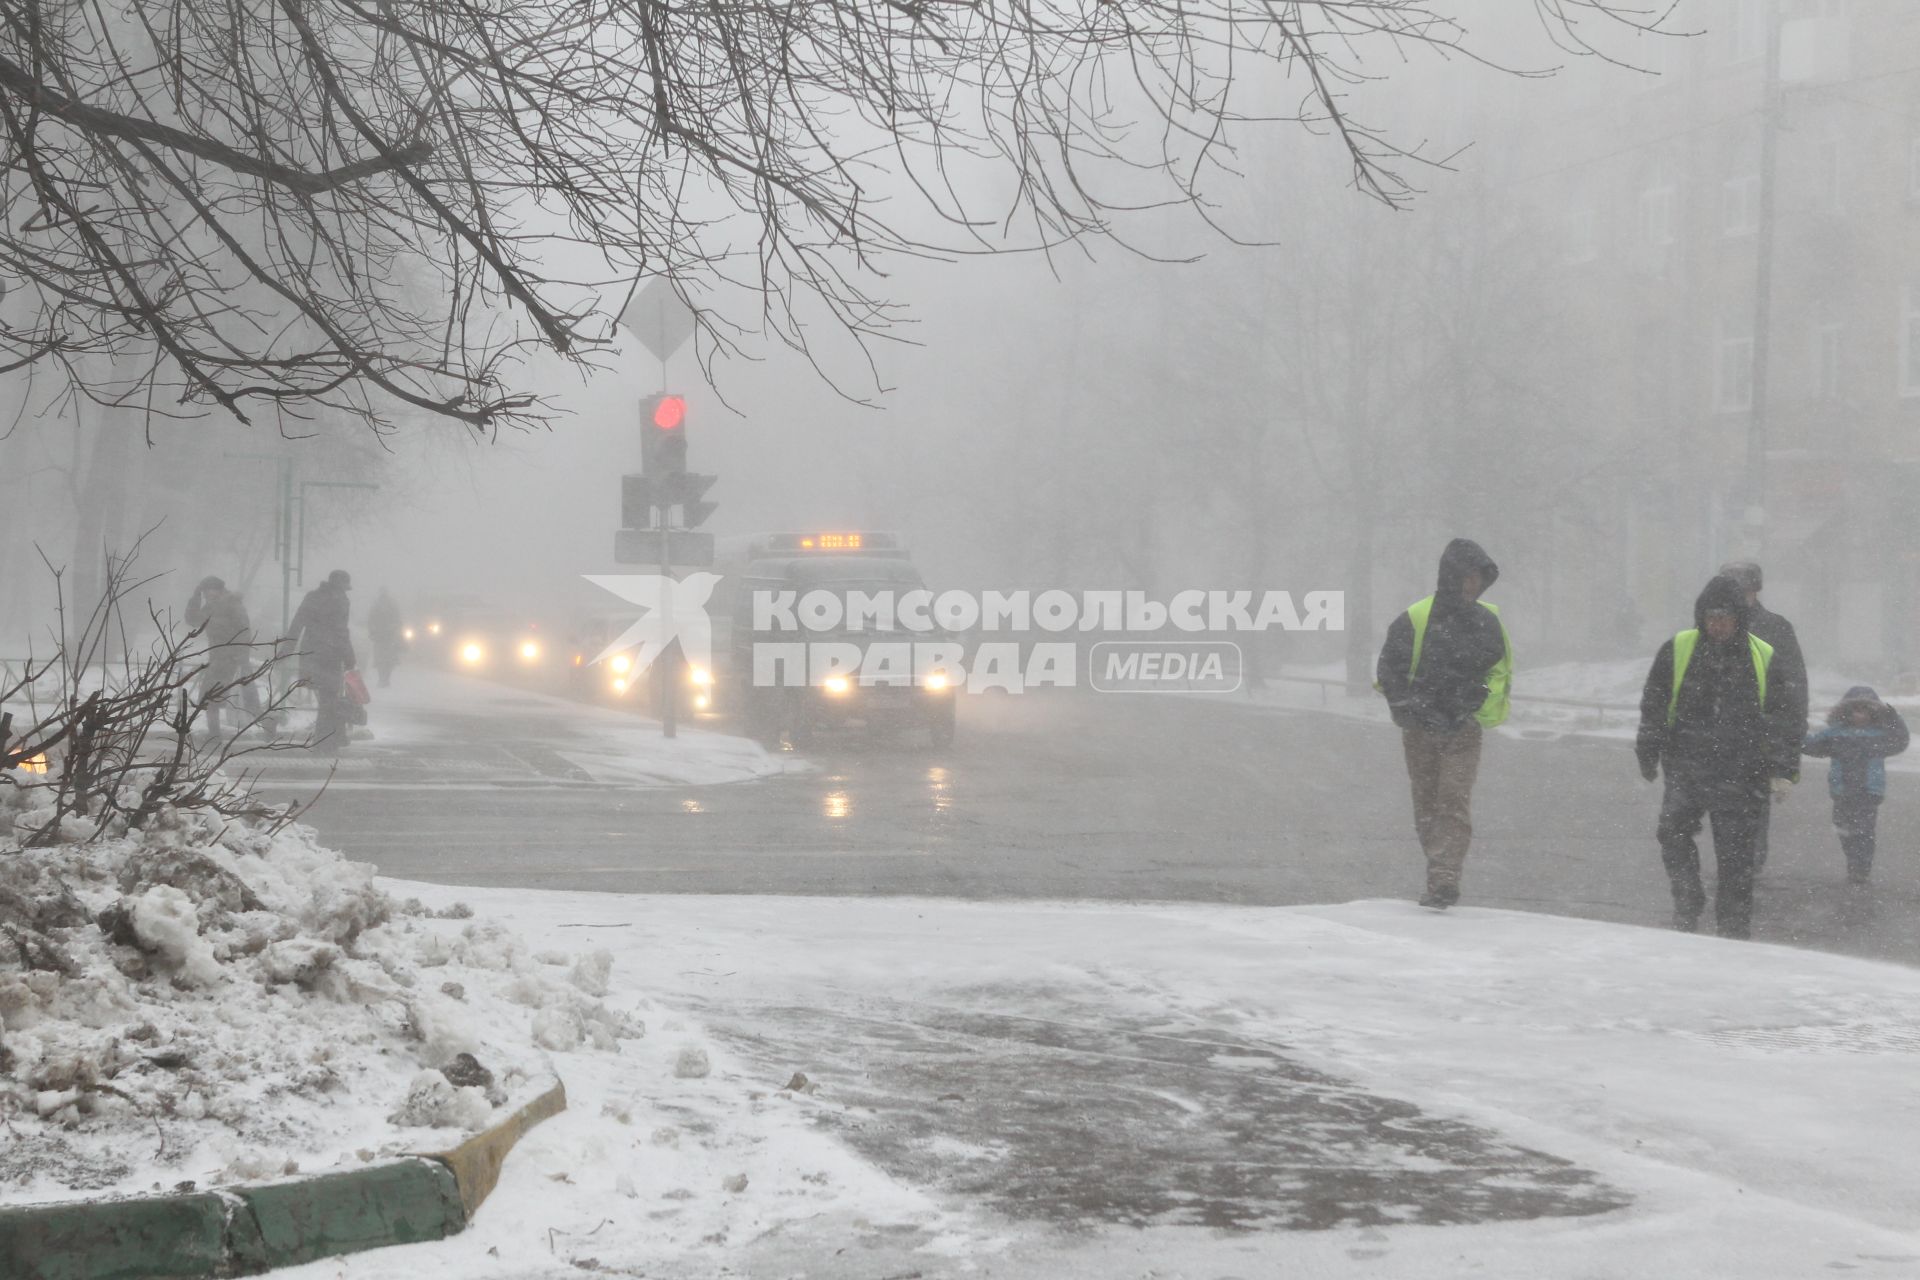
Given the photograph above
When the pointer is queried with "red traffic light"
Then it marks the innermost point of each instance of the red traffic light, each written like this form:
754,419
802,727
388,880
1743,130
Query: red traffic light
669,412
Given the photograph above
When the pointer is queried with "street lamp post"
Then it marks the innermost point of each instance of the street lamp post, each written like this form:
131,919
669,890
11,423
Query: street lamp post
298,561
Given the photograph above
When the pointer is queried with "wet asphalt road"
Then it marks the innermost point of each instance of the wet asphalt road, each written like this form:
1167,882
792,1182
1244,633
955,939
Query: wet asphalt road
1081,795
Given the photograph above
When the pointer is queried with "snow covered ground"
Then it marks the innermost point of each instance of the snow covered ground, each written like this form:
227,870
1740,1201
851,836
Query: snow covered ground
208,1002
1747,1110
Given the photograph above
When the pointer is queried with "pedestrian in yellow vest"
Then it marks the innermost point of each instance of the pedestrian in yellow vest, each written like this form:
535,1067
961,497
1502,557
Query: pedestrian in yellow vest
1446,669
1713,721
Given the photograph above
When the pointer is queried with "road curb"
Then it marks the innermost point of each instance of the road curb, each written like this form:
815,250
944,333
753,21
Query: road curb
249,1230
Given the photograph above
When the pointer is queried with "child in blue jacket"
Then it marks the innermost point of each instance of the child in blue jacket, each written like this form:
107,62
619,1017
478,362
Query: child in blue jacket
1861,732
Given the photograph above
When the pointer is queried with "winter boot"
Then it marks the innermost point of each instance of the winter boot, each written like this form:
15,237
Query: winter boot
1440,895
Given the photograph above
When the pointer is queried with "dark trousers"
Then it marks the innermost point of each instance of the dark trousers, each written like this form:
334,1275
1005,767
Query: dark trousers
329,685
1736,810
1857,818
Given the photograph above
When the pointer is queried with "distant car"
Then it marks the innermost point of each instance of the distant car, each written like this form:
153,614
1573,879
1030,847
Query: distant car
615,677
839,563
467,634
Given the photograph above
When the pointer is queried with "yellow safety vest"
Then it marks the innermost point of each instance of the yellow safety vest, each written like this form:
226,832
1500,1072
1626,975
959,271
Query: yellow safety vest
1499,680
1683,645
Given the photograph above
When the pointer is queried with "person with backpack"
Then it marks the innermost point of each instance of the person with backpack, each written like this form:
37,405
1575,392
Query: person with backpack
1713,722
1861,732
1446,670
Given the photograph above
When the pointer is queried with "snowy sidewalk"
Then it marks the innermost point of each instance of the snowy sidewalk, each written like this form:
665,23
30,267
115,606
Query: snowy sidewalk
436,729
1081,1090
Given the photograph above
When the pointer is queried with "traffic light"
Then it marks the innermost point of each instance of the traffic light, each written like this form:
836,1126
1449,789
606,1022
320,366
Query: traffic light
663,436
648,500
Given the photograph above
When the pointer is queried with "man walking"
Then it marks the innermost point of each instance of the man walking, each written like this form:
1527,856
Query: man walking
320,636
1788,676
1446,669
389,638
220,616
1712,720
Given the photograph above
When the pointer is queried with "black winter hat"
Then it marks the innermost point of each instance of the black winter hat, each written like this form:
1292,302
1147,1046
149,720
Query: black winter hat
1722,593
1744,572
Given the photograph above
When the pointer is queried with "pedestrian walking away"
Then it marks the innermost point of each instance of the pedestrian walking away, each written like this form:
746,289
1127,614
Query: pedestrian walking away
1786,679
1446,670
322,638
1712,724
388,636
1861,732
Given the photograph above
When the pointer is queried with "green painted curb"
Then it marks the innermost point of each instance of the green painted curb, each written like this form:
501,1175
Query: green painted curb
162,1238
244,1231
295,1222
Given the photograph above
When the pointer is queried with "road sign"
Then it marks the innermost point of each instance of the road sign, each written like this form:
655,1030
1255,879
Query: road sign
658,317
641,496
680,548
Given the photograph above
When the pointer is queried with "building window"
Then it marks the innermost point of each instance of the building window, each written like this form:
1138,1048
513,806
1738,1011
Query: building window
1740,205
1910,341
1732,370
1826,361
1656,215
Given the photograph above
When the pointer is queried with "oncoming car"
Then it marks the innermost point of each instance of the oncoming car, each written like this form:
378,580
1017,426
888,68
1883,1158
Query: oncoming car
467,635
616,678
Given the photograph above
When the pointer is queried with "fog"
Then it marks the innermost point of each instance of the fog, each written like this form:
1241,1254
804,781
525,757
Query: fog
1178,408
1475,454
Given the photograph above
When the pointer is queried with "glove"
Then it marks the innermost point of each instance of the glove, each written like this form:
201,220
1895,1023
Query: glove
1781,788
1650,770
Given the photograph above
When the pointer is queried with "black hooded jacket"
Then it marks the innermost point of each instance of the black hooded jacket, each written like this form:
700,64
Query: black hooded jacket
1720,732
319,630
1463,643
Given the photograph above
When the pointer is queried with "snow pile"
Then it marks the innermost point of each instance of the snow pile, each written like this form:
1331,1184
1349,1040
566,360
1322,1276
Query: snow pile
204,1001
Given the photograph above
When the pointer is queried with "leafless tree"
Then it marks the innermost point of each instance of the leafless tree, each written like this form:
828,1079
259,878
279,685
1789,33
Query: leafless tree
365,205
118,742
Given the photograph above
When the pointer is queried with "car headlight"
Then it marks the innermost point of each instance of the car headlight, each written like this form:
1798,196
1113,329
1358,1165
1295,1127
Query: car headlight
433,628
619,685
621,664
700,676
935,681
471,652
406,633
529,651
837,684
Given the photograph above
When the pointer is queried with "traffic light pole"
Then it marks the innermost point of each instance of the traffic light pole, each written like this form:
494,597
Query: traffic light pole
669,659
